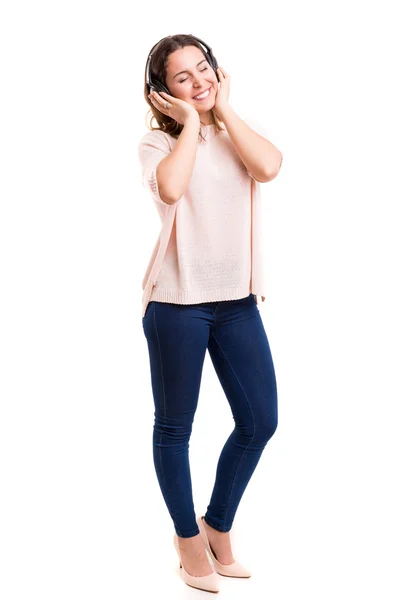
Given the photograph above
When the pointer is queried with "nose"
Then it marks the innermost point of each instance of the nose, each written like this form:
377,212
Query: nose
197,82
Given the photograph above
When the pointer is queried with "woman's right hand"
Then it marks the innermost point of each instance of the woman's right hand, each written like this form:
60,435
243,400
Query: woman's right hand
177,109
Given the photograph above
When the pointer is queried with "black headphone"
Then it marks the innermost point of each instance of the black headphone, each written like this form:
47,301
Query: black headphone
157,85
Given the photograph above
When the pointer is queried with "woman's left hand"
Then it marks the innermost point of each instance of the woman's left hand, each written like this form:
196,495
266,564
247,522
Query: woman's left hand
222,97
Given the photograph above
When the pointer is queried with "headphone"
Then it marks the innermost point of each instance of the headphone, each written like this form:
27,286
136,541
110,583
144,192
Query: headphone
156,85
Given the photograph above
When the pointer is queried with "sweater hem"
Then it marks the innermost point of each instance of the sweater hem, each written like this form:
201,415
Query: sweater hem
186,297
197,298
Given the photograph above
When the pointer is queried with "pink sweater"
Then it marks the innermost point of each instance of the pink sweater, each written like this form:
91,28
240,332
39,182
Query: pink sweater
209,247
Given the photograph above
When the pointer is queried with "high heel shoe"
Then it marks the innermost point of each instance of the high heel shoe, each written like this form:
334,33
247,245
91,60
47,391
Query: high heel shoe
235,569
207,583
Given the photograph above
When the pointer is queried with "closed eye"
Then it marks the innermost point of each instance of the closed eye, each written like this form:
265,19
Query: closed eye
182,80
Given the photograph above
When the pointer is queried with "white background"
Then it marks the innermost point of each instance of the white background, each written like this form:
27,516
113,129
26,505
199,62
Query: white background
81,512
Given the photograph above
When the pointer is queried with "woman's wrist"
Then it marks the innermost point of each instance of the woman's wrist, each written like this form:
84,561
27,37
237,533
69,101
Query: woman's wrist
192,119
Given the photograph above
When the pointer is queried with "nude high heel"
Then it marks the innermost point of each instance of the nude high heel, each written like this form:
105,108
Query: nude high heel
207,583
235,569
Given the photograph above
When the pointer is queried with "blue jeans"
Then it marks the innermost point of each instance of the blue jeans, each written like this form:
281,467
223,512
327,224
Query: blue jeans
177,337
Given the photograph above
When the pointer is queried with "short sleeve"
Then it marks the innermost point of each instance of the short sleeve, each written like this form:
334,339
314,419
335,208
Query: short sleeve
260,129
152,148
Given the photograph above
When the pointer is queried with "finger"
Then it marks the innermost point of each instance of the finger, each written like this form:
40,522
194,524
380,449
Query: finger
154,100
157,98
165,98
161,103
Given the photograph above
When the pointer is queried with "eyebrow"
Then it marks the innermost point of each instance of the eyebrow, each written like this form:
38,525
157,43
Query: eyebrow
176,74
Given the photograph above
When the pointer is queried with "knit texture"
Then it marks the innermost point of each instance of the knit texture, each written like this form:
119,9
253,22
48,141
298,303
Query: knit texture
208,248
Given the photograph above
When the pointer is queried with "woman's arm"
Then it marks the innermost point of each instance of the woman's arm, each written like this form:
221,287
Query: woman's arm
175,170
260,157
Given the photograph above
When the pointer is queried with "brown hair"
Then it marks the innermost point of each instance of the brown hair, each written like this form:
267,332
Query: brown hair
158,69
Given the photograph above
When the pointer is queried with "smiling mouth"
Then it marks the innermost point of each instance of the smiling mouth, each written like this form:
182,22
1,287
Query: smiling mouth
204,95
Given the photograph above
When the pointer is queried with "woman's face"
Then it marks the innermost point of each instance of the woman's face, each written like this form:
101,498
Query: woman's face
197,77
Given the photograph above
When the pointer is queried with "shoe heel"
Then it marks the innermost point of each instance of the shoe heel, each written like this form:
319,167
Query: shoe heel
207,583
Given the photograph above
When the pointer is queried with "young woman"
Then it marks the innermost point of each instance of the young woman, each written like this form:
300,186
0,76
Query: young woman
202,166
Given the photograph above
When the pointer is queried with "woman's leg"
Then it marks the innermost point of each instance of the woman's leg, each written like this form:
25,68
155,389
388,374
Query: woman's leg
177,342
241,356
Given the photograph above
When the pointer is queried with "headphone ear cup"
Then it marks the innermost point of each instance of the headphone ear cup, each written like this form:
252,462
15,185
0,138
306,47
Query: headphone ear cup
212,62
159,87
165,89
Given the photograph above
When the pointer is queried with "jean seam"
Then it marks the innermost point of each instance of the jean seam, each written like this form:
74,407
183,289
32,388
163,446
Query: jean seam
163,387
254,431
173,514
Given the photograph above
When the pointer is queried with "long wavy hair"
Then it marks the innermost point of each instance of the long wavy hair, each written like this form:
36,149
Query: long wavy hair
158,68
